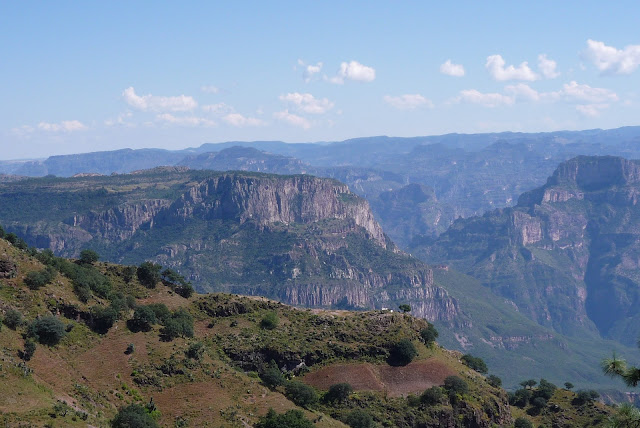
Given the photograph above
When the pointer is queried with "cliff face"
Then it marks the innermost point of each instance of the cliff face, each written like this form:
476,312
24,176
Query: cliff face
567,254
307,241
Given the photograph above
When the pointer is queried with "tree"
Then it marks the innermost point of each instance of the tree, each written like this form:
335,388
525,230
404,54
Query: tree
47,330
359,418
29,350
429,334
301,394
404,308
143,318
432,396
616,367
586,396
455,385
133,416
180,324
12,319
88,257
528,384
289,419
338,392
568,386
522,422
402,353
149,274
38,279
103,318
270,321
272,376
494,381
475,363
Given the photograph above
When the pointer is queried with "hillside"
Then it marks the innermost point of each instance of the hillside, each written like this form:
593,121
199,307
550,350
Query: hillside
566,255
110,353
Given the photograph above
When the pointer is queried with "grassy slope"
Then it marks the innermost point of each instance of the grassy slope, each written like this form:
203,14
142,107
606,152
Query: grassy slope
93,376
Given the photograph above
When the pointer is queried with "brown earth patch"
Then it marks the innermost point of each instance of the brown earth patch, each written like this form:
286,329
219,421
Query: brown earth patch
395,381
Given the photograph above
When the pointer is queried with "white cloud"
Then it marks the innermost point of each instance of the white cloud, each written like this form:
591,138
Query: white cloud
485,99
496,67
209,89
354,71
219,109
186,120
239,121
307,103
155,103
292,119
450,69
611,60
591,110
585,93
408,101
120,120
547,67
309,70
64,126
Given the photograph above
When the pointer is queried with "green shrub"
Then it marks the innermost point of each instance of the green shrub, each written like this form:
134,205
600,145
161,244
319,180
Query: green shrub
272,376
455,386
47,330
432,396
586,396
195,351
180,324
161,311
289,419
338,392
29,350
149,274
38,279
12,319
359,418
88,257
402,353
103,318
475,363
494,381
143,318
429,334
133,416
301,394
522,422
270,321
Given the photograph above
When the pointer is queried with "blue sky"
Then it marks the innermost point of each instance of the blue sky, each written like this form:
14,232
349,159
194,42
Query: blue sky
87,76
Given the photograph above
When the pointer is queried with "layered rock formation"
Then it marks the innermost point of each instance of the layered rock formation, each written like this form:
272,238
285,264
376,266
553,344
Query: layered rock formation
567,254
307,241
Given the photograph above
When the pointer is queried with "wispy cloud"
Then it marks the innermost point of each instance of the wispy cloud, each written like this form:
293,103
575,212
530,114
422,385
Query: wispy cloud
408,101
292,119
309,70
610,60
64,126
191,121
492,99
451,69
159,104
307,103
240,121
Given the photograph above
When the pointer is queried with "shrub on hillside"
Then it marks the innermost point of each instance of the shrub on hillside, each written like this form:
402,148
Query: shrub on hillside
522,422
12,319
29,350
272,376
301,394
429,334
269,321
103,318
179,324
143,318
455,387
40,278
149,274
475,363
47,330
432,396
289,419
338,392
134,415
402,353
88,257
359,418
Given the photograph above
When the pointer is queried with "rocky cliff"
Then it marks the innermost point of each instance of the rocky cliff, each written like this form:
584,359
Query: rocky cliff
305,240
567,254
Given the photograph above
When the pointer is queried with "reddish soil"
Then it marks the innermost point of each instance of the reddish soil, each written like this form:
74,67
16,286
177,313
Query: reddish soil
395,381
